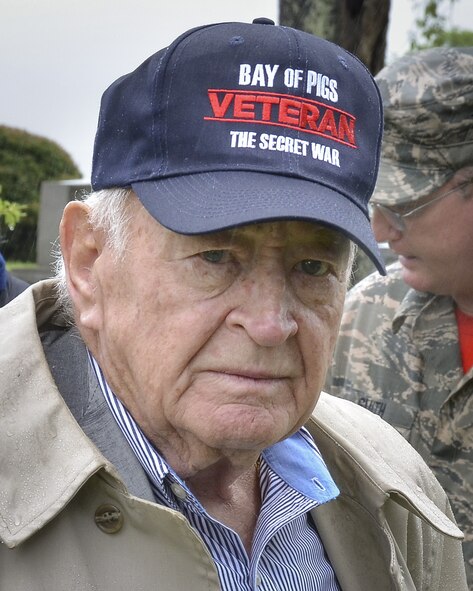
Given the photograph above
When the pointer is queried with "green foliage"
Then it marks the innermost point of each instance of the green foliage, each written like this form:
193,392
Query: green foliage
26,161
10,213
433,29
454,38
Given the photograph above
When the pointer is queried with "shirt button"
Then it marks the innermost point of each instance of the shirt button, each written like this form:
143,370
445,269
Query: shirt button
179,491
258,580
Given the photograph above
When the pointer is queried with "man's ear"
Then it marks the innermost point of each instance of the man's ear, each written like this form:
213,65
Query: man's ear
81,247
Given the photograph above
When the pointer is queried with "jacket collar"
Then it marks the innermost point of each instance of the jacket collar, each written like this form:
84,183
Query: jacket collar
372,469
45,455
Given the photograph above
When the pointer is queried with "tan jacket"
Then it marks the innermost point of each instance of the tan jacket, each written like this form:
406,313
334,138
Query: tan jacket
68,521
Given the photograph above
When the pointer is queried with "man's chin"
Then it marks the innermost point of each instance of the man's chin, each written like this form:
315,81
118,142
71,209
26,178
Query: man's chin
247,436
413,276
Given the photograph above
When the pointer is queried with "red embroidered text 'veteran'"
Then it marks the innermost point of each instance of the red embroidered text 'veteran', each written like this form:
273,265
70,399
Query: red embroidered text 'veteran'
283,110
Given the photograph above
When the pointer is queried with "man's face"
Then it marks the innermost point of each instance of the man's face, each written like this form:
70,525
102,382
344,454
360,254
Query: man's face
219,341
436,248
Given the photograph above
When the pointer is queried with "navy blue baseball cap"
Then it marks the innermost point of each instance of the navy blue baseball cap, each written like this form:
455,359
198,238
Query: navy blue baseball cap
238,123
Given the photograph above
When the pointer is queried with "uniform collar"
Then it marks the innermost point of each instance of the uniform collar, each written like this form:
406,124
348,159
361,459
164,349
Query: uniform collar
416,303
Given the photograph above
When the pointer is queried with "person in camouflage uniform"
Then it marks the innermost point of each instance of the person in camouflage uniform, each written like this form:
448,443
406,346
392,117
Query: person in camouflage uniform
399,353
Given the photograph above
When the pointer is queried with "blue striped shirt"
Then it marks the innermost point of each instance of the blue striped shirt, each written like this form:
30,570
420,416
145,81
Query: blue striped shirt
287,553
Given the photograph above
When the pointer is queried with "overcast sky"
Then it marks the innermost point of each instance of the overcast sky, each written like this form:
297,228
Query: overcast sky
58,56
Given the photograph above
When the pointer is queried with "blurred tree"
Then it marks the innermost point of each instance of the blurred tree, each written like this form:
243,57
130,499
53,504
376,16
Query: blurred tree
357,25
433,29
25,161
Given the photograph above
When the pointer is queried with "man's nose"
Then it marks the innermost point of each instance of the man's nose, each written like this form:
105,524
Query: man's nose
383,230
265,310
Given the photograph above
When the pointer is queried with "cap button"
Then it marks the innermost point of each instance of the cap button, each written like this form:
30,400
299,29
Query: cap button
262,20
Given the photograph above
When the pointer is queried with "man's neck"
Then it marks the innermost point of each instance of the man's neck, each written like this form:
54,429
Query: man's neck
234,500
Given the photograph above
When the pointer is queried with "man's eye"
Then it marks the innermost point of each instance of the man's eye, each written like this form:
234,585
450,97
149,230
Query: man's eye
214,256
313,267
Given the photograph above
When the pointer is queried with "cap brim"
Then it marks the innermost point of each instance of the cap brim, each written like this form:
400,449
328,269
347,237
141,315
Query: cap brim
183,204
398,183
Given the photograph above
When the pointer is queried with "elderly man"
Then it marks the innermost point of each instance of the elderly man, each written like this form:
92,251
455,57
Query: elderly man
157,414
406,341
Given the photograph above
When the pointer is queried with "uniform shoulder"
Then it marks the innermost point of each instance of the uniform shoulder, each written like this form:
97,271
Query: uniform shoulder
375,287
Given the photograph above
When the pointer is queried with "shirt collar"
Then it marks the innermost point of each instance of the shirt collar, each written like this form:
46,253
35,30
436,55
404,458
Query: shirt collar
299,463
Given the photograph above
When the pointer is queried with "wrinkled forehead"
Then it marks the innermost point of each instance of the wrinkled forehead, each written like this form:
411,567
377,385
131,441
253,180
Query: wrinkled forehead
285,232
278,233
288,234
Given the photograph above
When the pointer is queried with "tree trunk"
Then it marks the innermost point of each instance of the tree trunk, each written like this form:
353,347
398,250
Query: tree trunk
357,25
360,26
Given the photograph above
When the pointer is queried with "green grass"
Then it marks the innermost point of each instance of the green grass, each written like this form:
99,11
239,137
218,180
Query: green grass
12,265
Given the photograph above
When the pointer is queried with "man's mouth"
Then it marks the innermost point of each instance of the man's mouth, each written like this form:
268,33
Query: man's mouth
407,260
251,374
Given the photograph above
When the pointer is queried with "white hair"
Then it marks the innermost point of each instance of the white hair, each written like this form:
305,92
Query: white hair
109,212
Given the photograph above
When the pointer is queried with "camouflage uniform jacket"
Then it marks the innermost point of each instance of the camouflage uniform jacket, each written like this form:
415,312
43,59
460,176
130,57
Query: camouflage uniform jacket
398,355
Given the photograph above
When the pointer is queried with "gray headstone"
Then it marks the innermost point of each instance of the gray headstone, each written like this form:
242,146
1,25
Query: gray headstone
53,198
